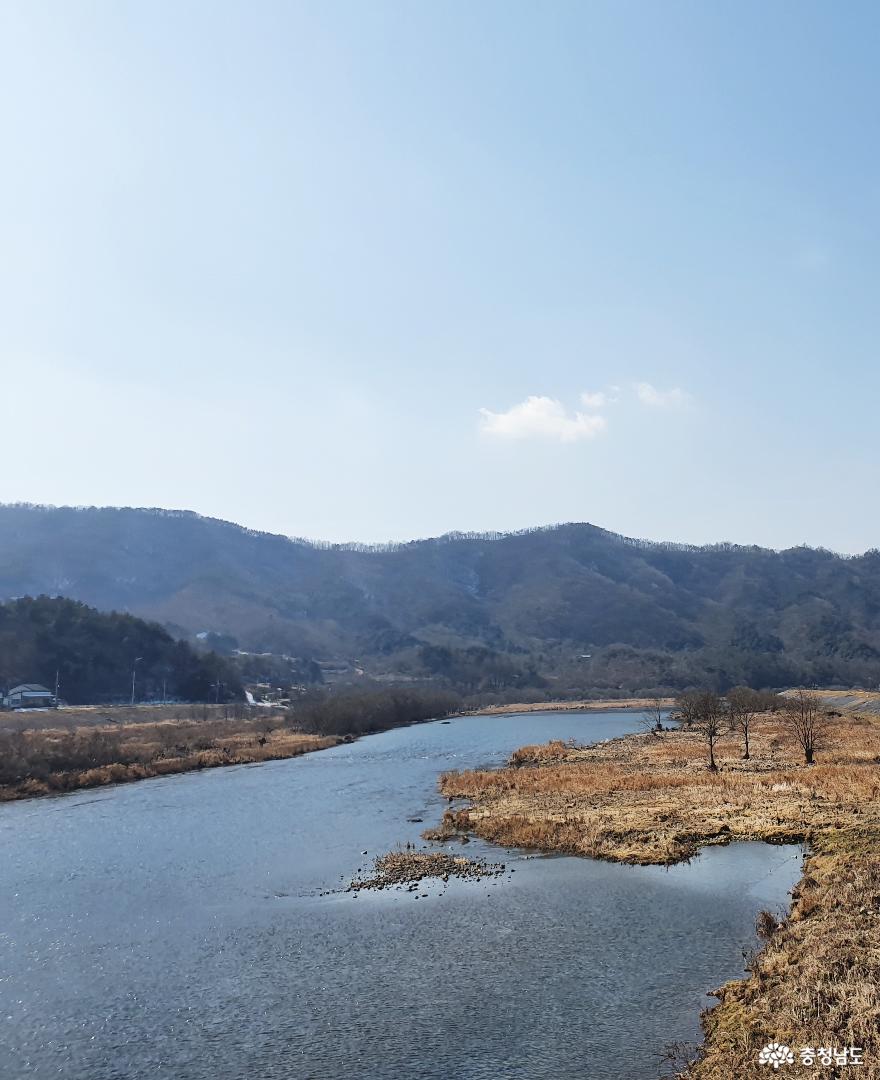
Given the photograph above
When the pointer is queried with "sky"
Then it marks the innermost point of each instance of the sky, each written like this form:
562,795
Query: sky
374,271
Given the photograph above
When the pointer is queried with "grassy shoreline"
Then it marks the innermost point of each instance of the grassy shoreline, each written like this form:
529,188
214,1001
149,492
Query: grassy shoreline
583,705
651,799
49,752
73,758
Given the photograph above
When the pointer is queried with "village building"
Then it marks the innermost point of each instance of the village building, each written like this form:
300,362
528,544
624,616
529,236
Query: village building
29,696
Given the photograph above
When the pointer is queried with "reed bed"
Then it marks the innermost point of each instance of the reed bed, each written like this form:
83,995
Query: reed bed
56,760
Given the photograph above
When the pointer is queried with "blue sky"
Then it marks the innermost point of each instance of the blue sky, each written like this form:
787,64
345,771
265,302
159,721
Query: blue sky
382,270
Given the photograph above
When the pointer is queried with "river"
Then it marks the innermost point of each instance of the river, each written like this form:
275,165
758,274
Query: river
180,928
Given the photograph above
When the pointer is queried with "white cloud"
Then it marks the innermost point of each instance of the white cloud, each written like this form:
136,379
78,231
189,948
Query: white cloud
541,418
660,399
600,398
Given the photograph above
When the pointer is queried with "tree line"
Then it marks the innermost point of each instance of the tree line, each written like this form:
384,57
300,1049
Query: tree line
361,711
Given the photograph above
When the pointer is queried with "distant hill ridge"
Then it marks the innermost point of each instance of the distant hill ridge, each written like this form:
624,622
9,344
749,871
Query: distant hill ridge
383,547
572,603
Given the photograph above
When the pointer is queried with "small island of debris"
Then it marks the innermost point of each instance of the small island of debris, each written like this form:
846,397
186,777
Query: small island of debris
405,869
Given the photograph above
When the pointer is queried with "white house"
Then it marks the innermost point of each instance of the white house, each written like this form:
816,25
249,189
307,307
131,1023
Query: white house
29,696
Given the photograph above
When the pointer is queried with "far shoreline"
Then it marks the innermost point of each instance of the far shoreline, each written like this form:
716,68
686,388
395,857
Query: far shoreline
583,705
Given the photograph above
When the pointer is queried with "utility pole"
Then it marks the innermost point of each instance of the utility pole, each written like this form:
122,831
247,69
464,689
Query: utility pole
57,683
137,660
164,695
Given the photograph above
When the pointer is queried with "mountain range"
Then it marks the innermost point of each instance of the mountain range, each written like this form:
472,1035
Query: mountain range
570,606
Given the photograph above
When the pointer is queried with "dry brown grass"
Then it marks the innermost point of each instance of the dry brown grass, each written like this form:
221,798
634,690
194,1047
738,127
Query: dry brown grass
63,759
817,981
80,716
649,799
569,706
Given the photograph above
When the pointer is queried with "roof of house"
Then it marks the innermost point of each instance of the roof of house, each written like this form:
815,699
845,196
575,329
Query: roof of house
30,688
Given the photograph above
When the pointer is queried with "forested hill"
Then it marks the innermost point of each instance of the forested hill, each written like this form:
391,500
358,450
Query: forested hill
93,654
573,604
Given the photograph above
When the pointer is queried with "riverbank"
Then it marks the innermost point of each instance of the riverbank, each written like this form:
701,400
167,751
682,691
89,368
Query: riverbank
651,799
609,705
50,751
48,761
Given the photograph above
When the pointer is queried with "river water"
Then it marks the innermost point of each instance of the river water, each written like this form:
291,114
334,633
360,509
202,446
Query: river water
180,928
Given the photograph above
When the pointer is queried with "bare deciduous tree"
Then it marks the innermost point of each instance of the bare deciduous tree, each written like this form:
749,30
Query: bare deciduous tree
653,719
687,707
743,705
805,717
710,719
